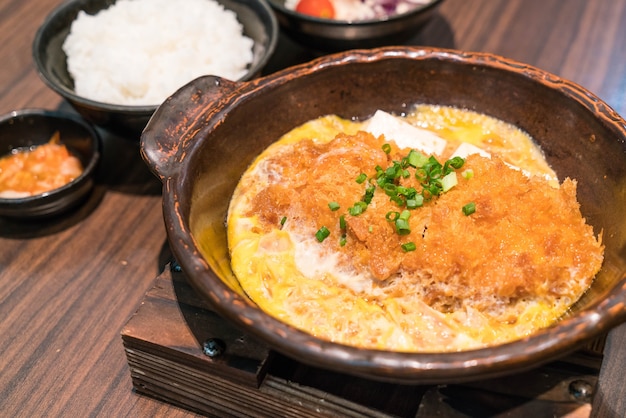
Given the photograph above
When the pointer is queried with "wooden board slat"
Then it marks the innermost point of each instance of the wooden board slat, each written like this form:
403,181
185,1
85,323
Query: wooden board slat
163,343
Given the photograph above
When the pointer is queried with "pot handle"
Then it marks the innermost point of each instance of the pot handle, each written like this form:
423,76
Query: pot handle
173,126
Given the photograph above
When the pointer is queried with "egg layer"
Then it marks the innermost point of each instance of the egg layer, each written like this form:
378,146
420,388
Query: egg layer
453,280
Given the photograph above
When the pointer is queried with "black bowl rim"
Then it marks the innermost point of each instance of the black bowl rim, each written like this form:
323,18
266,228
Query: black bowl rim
148,110
87,170
279,6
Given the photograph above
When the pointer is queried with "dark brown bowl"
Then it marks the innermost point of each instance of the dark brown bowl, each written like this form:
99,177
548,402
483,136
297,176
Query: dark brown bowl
201,140
31,127
256,17
331,35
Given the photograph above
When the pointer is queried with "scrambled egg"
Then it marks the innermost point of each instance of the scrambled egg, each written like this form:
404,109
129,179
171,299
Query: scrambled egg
450,278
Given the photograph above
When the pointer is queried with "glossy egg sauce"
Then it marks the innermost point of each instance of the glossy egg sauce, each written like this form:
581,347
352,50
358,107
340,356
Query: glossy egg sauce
319,241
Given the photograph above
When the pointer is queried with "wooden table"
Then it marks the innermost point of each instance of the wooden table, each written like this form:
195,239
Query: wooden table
68,285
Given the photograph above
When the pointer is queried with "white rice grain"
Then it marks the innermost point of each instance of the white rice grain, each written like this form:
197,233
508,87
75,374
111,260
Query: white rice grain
139,52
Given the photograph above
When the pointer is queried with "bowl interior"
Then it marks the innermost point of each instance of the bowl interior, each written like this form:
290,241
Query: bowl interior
256,18
581,137
26,128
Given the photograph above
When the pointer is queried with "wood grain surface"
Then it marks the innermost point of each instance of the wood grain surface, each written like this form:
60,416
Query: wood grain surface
68,285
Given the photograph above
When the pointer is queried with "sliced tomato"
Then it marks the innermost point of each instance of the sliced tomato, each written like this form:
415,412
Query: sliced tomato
317,8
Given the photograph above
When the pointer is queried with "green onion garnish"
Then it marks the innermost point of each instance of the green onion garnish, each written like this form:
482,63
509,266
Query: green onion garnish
448,181
283,220
333,206
357,209
391,189
455,163
402,223
369,194
322,234
416,159
468,174
415,202
469,208
433,177
409,246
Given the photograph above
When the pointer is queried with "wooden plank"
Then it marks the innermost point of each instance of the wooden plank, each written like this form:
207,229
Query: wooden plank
163,344
168,326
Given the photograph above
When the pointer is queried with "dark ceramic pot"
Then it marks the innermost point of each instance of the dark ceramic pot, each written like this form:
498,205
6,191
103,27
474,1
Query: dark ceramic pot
202,139
336,35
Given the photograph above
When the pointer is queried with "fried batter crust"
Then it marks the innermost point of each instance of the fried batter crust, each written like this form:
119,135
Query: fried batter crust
525,240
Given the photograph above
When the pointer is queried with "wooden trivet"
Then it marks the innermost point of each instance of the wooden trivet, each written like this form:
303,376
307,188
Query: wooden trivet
181,352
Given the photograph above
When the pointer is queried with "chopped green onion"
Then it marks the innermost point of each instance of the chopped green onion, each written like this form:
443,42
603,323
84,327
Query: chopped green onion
415,202
434,179
392,172
369,194
402,227
436,172
409,246
358,208
448,181
322,234
283,220
455,163
416,159
391,216
402,223
343,240
469,208
433,189
397,200
391,189
409,192
468,174
421,175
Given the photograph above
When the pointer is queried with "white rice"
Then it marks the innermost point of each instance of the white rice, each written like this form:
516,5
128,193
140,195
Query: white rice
139,52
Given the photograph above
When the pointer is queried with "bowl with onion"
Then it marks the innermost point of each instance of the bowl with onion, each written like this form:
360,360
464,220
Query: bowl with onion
334,25
48,162
114,63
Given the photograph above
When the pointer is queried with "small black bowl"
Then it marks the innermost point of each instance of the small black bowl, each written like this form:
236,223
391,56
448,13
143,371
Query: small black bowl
329,35
28,128
256,17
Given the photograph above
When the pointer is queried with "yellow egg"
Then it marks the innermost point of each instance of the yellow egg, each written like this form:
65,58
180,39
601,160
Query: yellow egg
452,279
